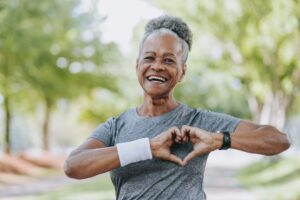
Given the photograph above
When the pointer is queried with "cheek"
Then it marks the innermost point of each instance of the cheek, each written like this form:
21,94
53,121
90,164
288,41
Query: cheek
141,69
177,73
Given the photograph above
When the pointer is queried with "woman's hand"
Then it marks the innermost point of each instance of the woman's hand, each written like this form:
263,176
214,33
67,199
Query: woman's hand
203,141
161,144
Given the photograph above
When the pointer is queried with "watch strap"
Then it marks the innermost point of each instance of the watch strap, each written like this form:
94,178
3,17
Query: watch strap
226,140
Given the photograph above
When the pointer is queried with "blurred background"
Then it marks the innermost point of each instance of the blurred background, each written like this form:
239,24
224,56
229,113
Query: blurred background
67,66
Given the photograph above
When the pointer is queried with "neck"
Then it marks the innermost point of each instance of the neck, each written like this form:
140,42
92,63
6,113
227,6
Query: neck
152,107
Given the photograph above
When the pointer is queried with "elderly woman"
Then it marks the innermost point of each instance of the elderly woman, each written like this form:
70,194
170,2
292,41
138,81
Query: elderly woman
159,149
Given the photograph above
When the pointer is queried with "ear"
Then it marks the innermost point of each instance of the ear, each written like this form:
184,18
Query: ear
183,72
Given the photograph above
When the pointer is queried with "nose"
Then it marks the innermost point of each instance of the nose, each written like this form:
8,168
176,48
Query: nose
157,66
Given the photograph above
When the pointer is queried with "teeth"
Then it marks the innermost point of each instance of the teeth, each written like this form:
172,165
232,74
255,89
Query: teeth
157,78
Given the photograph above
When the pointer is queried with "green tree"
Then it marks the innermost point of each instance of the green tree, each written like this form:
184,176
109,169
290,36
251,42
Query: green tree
59,54
257,42
11,82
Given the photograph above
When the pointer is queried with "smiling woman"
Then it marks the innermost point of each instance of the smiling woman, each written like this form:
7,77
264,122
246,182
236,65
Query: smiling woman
159,149
160,64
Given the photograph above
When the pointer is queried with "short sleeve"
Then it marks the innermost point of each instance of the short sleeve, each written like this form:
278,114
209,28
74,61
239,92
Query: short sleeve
104,132
213,121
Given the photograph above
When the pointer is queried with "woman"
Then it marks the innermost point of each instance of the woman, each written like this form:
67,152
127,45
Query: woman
159,149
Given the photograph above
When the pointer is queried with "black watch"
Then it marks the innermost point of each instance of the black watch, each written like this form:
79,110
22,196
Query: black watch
226,140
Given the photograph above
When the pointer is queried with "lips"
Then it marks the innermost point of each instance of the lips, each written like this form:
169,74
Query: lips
157,78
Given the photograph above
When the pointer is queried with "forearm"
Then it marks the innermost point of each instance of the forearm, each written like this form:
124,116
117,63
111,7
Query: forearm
265,140
90,162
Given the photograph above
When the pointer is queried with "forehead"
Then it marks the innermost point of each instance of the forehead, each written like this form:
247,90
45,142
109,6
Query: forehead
162,43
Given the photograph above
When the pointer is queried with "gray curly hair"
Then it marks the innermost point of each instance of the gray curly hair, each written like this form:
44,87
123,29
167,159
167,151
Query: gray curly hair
173,25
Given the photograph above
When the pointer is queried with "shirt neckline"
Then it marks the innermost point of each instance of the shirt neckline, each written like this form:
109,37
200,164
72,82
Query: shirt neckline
160,117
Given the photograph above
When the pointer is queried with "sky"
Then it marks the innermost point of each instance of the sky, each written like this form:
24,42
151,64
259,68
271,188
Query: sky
122,17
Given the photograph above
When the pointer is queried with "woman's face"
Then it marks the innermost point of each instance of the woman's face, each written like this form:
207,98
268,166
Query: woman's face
160,64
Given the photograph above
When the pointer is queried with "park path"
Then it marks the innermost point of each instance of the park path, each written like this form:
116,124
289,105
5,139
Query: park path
34,186
220,184
219,181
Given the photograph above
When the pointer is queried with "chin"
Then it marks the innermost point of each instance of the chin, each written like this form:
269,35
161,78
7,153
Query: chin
157,91
156,94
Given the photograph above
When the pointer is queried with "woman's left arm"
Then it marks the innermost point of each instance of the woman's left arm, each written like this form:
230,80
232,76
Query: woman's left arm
260,139
248,137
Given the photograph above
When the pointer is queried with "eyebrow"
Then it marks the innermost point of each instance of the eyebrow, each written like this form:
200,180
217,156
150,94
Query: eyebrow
165,54
169,54
150,52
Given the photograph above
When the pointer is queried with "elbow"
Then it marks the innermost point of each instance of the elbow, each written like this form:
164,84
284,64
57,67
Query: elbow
71,170
280,144
283,143
276,142
277,150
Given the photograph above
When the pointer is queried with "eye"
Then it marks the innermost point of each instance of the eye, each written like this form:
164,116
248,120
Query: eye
169,61
149,58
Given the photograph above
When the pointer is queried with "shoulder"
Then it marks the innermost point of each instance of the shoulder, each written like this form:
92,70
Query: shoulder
111,121
123,117
210,115
210,120
199,112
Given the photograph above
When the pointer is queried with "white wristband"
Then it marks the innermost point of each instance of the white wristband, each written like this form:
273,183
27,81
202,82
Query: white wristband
134,151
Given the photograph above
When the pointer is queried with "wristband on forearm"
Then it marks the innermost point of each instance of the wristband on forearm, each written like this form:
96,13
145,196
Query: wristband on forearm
134,151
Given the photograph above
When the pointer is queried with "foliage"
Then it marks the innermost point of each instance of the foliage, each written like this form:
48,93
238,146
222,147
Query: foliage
99,106
255,41
275,180
99,188
50,50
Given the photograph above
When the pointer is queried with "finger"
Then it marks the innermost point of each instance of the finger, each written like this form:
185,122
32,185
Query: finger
175,159
188,130
188,134
177,131
173,133
184,132
189,157
179,136
176,134
185,129
178,140
186,137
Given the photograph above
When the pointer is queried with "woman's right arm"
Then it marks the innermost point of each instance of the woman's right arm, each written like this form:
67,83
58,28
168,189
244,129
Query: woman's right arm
91,158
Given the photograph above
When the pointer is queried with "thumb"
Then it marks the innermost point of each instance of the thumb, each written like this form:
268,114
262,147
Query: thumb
175,159
189,157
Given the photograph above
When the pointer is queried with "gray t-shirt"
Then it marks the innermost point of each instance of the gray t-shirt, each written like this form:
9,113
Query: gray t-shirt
160,179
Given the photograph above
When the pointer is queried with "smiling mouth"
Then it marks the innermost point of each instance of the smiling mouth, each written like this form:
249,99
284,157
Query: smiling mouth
157,79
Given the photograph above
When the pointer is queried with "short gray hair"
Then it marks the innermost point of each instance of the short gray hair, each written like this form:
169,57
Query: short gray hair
171,24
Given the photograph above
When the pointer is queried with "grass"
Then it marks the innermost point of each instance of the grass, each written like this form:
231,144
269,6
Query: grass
276,180
98,188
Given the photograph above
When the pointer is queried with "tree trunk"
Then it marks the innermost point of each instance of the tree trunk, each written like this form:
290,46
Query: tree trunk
274,110
7,125
254,108
46,125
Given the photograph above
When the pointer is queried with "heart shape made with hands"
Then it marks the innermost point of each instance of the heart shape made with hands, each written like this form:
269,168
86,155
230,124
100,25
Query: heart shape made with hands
202,141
